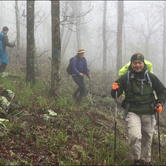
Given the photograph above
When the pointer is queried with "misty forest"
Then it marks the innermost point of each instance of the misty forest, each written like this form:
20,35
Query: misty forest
40,123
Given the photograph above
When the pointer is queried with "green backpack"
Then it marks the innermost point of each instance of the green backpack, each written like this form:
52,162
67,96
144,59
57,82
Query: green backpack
124,69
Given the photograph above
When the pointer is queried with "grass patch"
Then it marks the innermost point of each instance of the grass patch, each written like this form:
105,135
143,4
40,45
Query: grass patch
79,135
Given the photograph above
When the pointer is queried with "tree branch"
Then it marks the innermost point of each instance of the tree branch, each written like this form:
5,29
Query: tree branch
42,53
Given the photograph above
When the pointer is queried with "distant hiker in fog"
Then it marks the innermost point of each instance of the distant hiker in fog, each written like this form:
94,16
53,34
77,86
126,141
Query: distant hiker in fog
4,42
140,106
79,69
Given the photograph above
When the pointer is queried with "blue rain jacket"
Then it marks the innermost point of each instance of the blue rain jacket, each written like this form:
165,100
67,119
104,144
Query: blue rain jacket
4,58
81,66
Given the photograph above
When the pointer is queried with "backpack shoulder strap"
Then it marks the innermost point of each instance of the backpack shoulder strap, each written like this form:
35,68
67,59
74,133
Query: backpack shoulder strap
76,58
128,77
128,82
149,80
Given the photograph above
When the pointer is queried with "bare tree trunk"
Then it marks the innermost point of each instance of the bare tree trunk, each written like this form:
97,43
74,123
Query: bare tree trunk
18,31
36,68
63,27
66,41
78,34
124,42
1,15
147,43
78,26
56,49
104,38
164,39
30,68
65,38
119,35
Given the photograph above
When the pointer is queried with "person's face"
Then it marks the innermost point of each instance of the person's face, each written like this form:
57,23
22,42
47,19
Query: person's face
5,32
81,55
137,65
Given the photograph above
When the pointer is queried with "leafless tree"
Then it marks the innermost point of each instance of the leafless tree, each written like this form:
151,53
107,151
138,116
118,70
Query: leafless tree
147,27
73,18
1,14
120,9
104,66
164,42
30,67
18,31
56,49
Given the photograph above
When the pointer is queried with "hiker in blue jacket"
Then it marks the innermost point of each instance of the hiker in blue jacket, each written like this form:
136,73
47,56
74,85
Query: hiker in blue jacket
79,69
5,43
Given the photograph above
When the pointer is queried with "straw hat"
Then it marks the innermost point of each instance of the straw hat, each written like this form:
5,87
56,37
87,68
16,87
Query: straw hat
81,50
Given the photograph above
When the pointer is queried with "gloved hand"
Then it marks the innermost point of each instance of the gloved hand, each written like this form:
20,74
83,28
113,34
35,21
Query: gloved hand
115,86
159,108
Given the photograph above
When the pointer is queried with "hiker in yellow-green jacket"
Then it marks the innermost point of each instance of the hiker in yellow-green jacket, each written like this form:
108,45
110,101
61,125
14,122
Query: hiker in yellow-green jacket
141,106
124,69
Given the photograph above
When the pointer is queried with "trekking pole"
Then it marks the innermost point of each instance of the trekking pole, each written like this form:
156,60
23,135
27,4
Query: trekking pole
159,138
17,56
115,127
89,93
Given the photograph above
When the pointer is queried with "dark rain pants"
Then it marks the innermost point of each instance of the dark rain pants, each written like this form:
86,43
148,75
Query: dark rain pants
79,80
3,67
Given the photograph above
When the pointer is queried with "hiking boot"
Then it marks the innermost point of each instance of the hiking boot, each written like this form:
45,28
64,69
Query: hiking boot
142,162
76,99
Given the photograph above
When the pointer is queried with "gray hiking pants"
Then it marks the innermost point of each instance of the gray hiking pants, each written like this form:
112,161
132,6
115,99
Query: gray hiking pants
140,130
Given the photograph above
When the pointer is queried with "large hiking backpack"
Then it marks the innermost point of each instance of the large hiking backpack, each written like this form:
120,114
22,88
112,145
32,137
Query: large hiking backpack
124,69
69,69
1,47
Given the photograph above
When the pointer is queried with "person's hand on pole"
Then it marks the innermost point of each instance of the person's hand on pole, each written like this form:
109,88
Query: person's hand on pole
81,74
115,86
159,108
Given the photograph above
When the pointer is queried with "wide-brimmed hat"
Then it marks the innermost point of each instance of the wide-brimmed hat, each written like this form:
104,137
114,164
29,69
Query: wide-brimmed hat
81,50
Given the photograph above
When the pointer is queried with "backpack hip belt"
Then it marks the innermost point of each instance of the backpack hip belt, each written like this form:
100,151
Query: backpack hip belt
149,105
141,106
128,105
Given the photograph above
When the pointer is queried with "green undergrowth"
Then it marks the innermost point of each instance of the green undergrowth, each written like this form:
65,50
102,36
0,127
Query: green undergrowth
80,134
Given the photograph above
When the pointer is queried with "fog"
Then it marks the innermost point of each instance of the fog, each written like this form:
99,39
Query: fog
142,30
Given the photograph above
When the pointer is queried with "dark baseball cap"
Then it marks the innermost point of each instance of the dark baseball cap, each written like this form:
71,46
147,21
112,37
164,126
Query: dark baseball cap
5,28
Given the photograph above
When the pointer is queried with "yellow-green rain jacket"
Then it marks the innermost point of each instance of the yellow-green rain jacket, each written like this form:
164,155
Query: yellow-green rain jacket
124,69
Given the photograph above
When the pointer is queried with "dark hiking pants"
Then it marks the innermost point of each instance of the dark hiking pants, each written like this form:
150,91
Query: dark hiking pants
3,67
79,80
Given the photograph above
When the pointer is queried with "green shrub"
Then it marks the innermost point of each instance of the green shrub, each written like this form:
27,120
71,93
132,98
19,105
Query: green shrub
109,101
